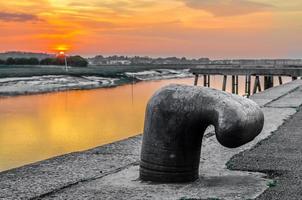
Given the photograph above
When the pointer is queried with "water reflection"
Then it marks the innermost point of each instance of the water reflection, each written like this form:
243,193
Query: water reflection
37,127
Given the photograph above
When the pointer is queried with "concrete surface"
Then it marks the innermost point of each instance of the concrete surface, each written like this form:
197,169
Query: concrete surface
280,157
111,171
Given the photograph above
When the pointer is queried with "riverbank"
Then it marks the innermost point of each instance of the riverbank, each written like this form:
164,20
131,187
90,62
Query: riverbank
112,71
20,80
111,171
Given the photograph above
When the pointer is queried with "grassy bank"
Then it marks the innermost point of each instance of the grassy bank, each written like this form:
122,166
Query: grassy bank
104,71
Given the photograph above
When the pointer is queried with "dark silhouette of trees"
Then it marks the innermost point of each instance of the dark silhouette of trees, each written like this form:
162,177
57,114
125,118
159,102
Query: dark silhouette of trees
2,62
22,61
33,61
10,61
75,61
48,61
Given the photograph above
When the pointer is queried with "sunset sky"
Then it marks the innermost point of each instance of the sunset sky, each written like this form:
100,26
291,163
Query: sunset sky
192,28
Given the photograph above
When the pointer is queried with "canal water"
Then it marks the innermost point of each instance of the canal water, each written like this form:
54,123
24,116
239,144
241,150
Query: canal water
37,127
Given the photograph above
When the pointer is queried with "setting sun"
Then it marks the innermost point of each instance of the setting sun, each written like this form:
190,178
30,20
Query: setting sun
61,48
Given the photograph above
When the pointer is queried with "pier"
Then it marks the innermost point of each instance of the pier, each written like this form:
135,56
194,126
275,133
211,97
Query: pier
268,71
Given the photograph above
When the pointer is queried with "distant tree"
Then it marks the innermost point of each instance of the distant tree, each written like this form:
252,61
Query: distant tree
2,62
21,61
77,61
48,61
33,61
10,61
99,57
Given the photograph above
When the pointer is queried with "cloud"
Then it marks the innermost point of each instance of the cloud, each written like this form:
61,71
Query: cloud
228,7
18,17
120,6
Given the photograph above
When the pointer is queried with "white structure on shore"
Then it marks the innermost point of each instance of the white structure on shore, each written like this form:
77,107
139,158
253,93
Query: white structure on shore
119,62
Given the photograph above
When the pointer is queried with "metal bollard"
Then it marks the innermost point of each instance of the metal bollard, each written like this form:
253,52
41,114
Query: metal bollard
175,121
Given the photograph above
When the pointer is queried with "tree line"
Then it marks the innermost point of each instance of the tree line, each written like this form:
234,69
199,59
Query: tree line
75,61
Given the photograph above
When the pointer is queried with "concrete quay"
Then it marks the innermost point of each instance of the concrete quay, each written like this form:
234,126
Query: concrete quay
111,171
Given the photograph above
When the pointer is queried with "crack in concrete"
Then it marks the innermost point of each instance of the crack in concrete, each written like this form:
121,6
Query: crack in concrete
83,181
280,97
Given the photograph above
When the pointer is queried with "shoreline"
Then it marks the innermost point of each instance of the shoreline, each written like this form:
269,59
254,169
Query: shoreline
113,169
17,86
8,94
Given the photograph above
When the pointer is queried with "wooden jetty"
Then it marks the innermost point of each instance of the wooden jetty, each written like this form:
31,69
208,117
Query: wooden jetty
268,71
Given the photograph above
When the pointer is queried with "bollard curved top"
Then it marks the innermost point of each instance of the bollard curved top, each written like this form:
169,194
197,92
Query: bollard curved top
175,121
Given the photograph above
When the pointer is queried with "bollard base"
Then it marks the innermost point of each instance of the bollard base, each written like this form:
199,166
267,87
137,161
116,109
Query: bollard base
167,176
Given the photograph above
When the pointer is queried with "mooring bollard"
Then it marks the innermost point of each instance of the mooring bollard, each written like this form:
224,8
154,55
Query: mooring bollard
176,118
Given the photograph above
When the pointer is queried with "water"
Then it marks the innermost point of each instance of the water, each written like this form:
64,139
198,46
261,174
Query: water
37,127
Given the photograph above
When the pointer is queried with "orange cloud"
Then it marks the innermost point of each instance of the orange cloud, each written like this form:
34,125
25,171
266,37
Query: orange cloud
228,7
19,17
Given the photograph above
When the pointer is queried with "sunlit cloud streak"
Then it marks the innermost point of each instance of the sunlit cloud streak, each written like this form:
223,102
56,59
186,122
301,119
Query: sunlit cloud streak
228,7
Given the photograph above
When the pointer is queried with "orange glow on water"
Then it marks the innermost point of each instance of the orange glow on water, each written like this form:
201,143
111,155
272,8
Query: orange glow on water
37,127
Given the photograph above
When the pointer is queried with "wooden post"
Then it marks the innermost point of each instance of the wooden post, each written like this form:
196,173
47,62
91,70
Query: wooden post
236,85
272,81
280,80
205,80
209,81
196,79
268,82
248,86
257,85
233,84
225,77
245,85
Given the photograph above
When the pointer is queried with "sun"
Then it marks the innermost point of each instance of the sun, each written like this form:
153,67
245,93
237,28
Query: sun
61,49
